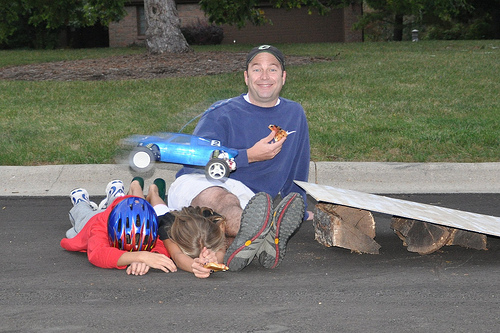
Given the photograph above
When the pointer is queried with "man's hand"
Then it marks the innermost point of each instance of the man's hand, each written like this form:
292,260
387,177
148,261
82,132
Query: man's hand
264,149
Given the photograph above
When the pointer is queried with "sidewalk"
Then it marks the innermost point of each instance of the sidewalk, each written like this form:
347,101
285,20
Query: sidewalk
372,177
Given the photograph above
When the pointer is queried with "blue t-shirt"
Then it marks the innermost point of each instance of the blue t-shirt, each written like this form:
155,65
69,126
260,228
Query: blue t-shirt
239,124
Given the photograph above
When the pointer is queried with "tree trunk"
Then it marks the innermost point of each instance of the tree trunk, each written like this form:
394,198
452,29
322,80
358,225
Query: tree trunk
164,28
398,28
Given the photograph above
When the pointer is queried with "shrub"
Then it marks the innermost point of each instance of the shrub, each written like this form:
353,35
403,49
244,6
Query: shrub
202,33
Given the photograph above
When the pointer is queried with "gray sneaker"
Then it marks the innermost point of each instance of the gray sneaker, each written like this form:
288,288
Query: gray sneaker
287,217
255,225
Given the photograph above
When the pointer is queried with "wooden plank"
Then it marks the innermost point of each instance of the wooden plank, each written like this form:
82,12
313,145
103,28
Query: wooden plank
346,227
484,224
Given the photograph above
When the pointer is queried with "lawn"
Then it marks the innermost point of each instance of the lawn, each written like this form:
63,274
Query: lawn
430,101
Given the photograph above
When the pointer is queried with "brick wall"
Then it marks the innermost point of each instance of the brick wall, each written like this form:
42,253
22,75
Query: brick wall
297,26
290,26
351,16
124,32
190,14
294,26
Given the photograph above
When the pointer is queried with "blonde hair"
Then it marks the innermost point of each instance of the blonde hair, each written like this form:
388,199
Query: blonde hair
195,228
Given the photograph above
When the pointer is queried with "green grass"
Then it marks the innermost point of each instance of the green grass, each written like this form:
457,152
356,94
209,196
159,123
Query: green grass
432,101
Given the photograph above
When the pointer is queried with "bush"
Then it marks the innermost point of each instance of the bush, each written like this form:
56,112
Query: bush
471,29
25,35
202,33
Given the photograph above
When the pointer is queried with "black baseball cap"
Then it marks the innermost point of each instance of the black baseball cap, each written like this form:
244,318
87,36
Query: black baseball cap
269,49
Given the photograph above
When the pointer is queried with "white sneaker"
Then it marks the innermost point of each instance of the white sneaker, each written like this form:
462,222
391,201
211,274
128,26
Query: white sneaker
114,189
81,195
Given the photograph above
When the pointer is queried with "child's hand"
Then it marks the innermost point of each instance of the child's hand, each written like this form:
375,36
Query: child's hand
198,270
159,261
207,255
137,268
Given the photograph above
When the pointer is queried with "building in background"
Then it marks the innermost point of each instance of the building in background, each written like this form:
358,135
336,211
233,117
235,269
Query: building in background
289,26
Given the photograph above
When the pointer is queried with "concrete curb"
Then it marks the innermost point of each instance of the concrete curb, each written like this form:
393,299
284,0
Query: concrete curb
371,177
389,177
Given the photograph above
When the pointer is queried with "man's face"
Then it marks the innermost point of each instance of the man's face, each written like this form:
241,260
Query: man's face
264,79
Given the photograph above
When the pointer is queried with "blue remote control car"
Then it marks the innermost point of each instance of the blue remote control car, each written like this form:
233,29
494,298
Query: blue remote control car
184,149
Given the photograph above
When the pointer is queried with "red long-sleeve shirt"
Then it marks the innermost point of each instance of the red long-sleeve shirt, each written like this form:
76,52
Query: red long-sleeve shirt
93,239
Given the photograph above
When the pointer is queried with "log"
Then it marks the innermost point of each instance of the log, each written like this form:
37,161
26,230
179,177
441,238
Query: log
426,238
420,237
468,239
345,227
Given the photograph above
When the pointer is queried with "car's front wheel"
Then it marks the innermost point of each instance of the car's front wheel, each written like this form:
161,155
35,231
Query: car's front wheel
217,169
142,159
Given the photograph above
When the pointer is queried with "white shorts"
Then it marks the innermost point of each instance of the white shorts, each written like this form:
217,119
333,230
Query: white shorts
185,188
161,209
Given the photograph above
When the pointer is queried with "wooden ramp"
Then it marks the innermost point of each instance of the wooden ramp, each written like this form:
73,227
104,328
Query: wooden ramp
406,213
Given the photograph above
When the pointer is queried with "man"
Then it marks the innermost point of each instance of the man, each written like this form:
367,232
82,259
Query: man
264,166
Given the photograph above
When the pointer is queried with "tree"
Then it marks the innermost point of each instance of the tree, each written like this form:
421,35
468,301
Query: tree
164,35
52,16
482,21
394,13
164,28
239,12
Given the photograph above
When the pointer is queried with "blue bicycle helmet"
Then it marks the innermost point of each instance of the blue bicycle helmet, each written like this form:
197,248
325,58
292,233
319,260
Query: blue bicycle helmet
133,225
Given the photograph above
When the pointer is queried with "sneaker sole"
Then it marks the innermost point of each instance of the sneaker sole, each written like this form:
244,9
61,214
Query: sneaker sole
111,190
255,224
288,216
85,196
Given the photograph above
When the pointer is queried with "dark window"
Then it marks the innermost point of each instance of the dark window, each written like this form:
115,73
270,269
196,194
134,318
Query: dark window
141,21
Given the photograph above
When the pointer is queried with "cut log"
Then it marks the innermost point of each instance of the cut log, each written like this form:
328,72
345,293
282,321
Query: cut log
468,239
346,227
425,238
420,237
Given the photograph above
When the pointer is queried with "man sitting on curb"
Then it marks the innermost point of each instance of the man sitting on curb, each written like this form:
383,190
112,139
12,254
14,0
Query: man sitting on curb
265,166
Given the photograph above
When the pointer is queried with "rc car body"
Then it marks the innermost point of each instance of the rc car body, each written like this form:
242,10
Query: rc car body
180,148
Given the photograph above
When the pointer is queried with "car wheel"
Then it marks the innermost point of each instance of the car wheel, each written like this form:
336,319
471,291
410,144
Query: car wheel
217,169
142,159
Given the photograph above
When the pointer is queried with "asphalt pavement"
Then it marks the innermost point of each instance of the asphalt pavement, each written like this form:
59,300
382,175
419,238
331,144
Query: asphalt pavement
315,289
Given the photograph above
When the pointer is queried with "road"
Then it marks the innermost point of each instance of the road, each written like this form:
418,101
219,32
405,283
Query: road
315,289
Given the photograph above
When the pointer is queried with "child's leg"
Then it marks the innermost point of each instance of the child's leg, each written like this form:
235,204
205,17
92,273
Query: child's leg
153,196
156,201
135,188
79,215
